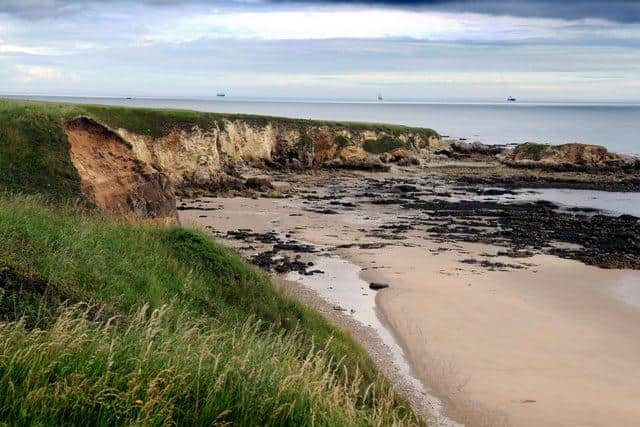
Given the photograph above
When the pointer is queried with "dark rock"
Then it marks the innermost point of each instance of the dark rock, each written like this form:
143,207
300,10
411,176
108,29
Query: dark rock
258,184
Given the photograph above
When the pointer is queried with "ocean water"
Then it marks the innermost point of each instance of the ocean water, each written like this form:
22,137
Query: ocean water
606,202
616,126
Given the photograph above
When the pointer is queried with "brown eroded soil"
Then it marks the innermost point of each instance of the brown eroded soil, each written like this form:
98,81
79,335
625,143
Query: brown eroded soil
111,175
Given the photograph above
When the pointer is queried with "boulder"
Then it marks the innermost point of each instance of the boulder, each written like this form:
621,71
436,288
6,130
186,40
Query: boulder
567,157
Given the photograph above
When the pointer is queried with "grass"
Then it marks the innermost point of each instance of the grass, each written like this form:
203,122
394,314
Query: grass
343,141
34,151
533,148
383,144
163,326
104,322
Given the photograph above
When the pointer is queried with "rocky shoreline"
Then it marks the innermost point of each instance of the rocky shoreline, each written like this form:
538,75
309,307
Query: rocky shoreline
451,210
364,216
214,157
409,190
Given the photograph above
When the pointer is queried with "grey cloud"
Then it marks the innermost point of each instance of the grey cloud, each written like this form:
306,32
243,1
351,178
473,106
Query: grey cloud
614,10
622,11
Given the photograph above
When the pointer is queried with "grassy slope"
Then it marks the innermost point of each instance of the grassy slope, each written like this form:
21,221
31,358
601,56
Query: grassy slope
34,155
195,335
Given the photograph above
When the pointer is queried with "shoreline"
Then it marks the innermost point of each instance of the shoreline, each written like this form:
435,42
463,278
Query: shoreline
441,280
379,340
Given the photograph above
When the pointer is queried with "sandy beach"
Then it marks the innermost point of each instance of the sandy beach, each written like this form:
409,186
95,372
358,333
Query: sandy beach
539,340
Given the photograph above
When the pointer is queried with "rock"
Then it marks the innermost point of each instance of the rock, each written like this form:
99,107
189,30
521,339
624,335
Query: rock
476,147
471,151
409,161
113,177
386,157
258,184
568,157
377,286
370,164
405,188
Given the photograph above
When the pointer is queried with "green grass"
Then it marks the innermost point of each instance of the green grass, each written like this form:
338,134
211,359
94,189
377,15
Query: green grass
383,144
34,151
104,322
343,141
533,149
161,326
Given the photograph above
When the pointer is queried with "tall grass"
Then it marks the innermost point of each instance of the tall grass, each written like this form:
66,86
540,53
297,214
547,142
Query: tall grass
162,366
108,323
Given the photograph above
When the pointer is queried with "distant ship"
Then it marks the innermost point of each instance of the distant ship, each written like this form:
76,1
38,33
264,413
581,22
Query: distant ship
379,97
221,94
511,99
128,97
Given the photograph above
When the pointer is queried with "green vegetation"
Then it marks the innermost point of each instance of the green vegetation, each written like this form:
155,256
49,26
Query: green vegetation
107,322
382,144
533,149
162,325
304,144
343,141
34,152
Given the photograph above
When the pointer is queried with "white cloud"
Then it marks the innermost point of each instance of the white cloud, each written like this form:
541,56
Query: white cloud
8,48
376,23
31,73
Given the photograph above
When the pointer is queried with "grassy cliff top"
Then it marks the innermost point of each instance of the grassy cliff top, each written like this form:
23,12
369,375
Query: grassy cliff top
157,122
104,323
34,151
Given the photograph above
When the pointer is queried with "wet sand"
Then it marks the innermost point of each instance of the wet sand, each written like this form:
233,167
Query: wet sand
550,344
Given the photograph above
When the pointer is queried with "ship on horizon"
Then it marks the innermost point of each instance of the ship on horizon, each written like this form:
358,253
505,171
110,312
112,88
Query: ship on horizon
511,99
221,94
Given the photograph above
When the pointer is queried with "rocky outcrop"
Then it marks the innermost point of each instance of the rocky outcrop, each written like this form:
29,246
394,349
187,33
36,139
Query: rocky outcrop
123,171
197,156
567,157
470,151
113,177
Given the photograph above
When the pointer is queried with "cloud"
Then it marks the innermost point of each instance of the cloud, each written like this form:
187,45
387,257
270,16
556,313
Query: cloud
612,10
28,74
322,23
621,11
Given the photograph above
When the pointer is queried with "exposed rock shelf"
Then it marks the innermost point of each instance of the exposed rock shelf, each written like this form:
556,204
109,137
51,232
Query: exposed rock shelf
124,171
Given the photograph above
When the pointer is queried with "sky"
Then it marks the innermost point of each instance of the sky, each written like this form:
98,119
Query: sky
538,50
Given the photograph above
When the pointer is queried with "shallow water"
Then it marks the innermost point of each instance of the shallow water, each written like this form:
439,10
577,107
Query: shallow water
341,285
607,202
628,289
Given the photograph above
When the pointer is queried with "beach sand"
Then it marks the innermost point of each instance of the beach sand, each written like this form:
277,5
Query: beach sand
552,344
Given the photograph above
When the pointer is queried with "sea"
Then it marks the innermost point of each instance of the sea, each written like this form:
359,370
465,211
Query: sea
613,125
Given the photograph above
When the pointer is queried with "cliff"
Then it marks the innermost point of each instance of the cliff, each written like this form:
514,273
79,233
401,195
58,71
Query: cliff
129,160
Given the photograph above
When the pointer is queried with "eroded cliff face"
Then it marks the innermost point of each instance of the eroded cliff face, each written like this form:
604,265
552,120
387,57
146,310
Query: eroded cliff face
122,171
113,177
200,155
